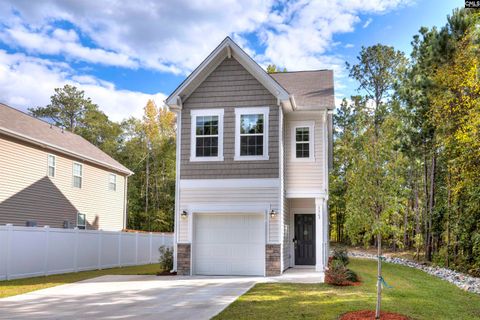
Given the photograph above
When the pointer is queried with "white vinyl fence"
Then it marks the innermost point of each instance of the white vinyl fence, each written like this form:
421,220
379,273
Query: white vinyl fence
29,252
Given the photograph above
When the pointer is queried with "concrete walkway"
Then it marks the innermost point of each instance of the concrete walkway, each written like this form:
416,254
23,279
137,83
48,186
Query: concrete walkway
129,297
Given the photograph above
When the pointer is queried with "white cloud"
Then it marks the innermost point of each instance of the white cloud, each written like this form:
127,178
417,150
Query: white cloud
170,36
61,42
300,36
367,23
175,36
29,82
349,45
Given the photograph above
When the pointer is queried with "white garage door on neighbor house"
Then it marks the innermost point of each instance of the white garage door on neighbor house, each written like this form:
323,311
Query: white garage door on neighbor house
229,244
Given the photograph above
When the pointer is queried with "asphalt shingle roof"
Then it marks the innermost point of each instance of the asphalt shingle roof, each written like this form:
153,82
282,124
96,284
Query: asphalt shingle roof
13,121
309,88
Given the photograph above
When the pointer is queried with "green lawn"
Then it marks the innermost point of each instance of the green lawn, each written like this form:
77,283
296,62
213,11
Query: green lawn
19,286
415,294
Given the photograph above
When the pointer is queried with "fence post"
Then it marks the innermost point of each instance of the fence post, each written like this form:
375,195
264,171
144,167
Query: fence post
75,251
9,250
99,249
136,248
150,252
120,249
46,229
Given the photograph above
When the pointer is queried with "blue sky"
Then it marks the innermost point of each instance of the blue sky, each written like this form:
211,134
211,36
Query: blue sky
126,53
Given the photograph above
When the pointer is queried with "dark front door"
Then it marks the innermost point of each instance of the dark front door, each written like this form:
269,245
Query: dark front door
304,240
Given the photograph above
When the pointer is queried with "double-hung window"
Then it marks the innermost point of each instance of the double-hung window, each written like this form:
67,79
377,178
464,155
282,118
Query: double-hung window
112,182
302,140
77,175
251,133
206,135
51,165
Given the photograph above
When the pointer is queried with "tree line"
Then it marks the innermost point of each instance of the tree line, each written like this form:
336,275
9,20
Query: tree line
146,146
407,152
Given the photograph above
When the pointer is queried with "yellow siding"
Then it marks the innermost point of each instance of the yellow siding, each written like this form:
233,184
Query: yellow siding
22,165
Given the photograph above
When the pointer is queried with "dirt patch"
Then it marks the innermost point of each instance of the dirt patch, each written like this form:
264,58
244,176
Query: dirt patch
370,315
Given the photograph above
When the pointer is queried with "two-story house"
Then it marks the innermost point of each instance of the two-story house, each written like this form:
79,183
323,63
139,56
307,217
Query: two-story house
252,167
50,176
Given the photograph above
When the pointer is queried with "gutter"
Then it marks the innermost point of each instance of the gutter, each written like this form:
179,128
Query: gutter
64,151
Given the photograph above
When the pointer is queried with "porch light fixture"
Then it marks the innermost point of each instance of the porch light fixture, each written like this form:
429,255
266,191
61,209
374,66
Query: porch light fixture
273,214
184,214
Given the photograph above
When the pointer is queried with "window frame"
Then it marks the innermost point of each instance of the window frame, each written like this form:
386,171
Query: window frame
311,140
49,155
80,176
84,226
265,111
110,183
193,133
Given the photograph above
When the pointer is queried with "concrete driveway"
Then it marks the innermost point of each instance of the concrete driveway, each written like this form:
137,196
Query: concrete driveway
127,297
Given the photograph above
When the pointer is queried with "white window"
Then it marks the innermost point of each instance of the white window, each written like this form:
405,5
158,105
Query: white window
51,165
81,221
112,182
206,135
303,148
77,175
251,133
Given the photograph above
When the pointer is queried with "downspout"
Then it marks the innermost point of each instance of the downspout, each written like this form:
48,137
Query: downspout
178,113
325,201
125,200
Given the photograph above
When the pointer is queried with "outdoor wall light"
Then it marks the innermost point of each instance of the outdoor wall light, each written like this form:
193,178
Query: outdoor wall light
184,214
273,214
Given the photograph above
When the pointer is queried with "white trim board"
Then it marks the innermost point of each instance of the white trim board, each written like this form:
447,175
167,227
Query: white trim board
265,111
211,208
306,194
193,133
311,140
229,183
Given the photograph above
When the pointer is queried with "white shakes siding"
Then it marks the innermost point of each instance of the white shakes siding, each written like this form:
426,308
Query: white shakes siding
308,176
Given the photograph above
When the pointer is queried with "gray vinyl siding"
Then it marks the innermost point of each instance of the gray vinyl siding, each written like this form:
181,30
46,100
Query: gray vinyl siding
227,87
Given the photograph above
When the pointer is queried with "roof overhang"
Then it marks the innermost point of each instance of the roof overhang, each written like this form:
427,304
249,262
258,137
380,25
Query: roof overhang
45,145
226,49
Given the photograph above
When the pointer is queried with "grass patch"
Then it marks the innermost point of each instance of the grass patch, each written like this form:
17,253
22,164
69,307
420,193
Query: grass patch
19,286
415,294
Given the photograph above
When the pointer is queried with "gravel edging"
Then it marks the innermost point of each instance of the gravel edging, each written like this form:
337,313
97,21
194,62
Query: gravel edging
461,280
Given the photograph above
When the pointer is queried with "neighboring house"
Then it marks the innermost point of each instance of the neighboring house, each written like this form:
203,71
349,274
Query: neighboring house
252,167
53,177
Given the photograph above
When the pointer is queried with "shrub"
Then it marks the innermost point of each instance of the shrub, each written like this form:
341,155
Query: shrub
352,276
336,274
166,258
340,254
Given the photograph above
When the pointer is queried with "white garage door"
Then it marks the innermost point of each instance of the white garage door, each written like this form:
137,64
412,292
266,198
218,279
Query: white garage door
229,244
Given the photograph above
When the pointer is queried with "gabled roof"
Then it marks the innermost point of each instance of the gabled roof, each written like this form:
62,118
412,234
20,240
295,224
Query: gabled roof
227,48
311,89
22,126
302,90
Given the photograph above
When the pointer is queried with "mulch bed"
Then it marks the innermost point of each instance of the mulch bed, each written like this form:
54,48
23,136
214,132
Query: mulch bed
166,273
370,314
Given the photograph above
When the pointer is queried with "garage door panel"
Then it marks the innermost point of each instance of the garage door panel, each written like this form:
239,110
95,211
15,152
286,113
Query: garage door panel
229,244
